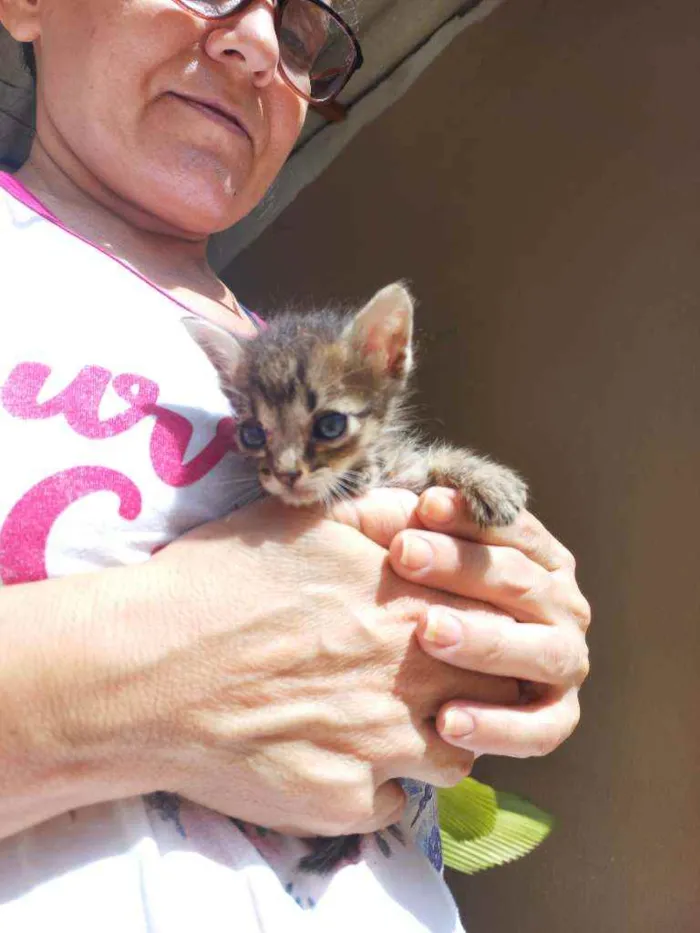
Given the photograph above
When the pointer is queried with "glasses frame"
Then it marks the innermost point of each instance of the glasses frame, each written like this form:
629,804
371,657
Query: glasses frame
326,105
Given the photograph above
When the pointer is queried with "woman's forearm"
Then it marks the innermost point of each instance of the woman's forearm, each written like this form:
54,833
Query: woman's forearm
69,723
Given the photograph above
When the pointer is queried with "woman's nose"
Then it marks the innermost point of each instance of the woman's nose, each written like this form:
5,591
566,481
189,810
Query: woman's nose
250,40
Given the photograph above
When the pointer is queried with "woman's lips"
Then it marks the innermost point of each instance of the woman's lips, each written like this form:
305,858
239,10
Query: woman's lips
216,112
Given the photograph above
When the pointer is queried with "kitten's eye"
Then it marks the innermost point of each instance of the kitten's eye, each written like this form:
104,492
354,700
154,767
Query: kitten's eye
251,435
331,426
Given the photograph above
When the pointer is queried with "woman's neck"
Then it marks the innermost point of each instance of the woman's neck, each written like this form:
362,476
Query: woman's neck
85,209
177,264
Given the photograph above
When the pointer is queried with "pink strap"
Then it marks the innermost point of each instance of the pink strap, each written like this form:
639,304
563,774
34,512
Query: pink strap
20,193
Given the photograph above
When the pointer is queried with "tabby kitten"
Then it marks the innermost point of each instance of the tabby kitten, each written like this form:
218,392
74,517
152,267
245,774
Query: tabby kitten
318,399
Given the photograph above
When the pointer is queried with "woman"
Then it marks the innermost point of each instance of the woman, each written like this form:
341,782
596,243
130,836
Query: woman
261,667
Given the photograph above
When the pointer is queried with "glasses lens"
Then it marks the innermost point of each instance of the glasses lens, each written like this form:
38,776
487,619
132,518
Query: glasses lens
318,54
212,9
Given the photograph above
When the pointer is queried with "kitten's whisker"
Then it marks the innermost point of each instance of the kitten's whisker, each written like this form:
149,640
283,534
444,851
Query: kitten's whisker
344,488
239,493
224,482
352,479
242,503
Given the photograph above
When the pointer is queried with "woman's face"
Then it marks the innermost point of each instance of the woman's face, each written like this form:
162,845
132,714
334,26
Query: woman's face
186,120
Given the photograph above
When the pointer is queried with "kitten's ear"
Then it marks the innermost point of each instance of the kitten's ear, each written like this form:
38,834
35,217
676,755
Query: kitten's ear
224,351
382,331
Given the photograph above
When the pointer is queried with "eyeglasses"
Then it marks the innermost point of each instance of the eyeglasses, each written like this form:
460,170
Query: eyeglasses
319,52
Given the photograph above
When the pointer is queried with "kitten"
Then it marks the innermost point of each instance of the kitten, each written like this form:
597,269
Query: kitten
318,399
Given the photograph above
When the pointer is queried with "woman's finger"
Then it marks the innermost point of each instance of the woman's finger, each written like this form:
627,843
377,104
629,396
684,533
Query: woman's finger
441,764
380,514
387,808
444,510
374,809
527,731
501,576
486,641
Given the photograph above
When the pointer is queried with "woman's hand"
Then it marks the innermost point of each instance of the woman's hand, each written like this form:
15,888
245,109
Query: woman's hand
529,623
293,691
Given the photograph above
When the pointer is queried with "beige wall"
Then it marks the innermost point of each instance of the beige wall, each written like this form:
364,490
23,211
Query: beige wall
541,188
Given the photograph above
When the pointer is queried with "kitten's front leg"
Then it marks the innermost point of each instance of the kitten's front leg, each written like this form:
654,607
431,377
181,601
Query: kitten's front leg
494,493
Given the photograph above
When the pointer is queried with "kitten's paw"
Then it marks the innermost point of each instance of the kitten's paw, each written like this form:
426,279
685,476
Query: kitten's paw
495,495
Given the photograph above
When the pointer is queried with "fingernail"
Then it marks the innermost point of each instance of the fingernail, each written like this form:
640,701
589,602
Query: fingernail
443,629
416,553
437,505
458,724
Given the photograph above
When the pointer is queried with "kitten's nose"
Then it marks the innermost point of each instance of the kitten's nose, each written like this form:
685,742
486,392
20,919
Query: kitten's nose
289,477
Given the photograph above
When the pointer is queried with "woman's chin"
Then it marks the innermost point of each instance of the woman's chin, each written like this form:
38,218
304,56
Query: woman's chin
207,199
